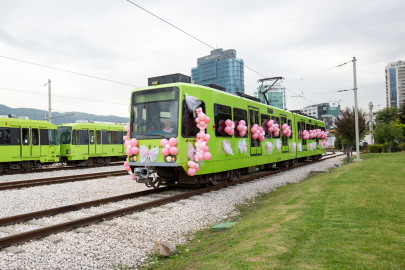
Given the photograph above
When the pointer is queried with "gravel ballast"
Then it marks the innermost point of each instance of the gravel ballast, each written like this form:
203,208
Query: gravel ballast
129,242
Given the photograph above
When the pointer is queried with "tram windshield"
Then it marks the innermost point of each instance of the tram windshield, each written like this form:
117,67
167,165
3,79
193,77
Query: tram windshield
65,134
155,113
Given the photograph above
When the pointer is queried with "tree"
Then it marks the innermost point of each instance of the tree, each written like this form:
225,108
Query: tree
388,134
387,115
346,129
401,114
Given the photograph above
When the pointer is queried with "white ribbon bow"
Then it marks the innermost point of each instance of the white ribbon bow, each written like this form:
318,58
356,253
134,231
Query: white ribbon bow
278,144
242,146
269,147
145,154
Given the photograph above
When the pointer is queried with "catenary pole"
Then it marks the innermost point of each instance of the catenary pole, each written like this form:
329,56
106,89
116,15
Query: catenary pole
356,113
49,101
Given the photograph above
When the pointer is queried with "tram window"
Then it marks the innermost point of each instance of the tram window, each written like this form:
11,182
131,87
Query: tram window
51,137
312,127
304,141
276,121
119,137
76,137
290,124
221,114
4,136
105,137
35,136
26,136
98,136
265,118
189,127
308,127
112,137
239,114
299,130
84,137
44,139
57,142
91,137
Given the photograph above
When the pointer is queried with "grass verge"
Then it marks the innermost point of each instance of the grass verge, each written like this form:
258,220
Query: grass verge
352,218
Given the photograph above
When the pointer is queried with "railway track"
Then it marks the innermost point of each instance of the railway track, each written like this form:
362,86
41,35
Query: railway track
51,169
58,180
43,232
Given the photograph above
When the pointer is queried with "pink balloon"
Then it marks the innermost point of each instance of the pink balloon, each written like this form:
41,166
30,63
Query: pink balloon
207,136
271,122
165,151
228,122
232,132
128,169
242,122
261,138
202,123
125,163
260,129
192,171
221,123
133,177
254,130
172,141
163,142
242,133
128,152
126,144
133,142
276,134
207,119
239,127
202,116
134,150
285,132
173,150
207,156
284,126
289,134
199,156
126,128
228,129
197,120
125,138
271,129
255,136
206,149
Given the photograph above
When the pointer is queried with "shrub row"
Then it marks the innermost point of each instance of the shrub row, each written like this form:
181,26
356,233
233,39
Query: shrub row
378,148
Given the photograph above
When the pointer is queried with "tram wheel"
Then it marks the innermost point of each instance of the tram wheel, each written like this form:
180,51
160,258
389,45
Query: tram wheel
89,162
107,161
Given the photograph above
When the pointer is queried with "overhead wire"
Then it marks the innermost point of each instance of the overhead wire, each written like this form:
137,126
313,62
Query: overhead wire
85,99
73,72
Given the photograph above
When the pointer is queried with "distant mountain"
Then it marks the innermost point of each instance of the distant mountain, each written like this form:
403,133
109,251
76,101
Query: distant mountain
35,114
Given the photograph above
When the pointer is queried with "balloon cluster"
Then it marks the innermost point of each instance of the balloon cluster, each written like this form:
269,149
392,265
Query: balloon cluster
273,128
286,130
131,149
169,146
241,127
201,148
315,133
229,127
257,132
324,143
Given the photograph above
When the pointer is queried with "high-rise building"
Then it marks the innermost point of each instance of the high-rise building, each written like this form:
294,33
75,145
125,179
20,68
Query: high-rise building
275,96
326,112
221,68
395,83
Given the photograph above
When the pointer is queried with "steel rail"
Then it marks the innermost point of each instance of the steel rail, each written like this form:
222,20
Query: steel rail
58,180
78,206
43,232
115,163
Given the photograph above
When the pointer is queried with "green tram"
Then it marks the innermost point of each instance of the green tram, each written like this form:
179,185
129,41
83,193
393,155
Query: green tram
85,144
154,109
27,144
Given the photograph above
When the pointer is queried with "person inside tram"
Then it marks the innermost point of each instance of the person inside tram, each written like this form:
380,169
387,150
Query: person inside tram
152,127
167,127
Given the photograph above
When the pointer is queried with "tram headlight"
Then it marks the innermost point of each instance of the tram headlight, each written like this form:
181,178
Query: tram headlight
132,158
170,159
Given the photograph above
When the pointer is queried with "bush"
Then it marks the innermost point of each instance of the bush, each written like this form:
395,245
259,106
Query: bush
375,148
401,146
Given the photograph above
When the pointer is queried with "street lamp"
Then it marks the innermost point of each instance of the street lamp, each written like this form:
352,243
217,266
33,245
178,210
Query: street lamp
356,113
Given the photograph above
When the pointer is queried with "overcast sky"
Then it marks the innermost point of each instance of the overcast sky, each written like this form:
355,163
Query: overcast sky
116,40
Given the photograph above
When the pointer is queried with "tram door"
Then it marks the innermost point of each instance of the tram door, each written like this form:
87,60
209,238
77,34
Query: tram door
98,146
255,147
25,142
35,148
92,141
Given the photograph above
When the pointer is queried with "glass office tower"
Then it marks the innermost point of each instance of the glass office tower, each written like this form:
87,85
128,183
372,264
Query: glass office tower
221,68
395,83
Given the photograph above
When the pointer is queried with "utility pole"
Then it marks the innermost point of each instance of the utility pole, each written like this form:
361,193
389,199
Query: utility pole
356,113
370,124
49,101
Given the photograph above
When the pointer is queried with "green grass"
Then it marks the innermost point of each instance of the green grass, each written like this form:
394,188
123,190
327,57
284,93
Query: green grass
352,218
